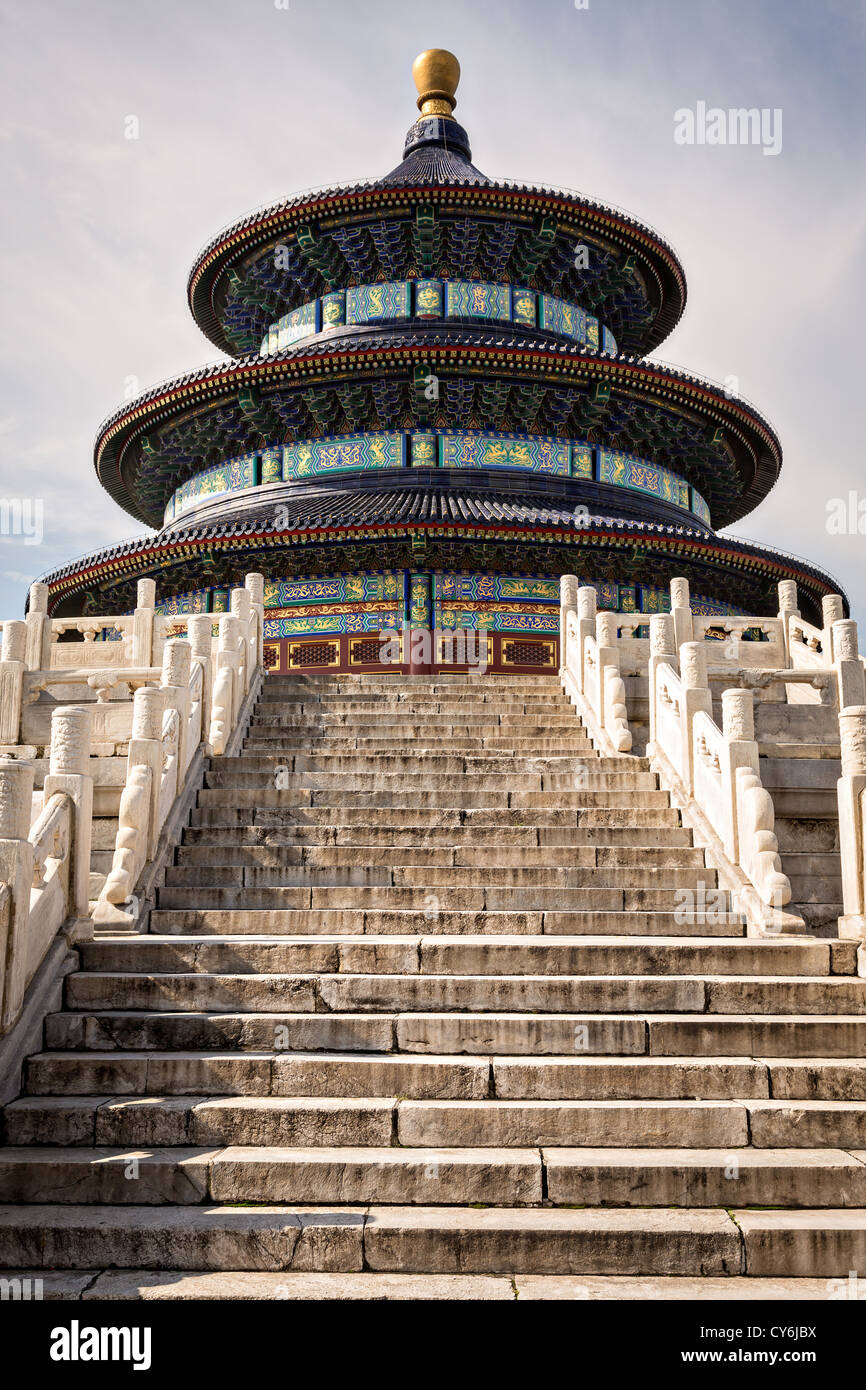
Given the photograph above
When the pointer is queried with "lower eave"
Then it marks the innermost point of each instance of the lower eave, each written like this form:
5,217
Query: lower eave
138,556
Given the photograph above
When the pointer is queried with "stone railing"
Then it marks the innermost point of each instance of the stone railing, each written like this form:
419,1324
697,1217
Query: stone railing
44,868
692,664
195,710
714,774
852,825
165,704
591,666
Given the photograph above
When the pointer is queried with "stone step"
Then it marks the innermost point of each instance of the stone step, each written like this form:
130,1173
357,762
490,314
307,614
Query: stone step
817,892
510,1177
674,1124
297,1121
431,876
409,784
411,779
396,1239
400,797
807,1124
820,918
398,684
815,878
488,859
414,759
459,838
427,1077
466,955
403,739
415,709
392,692
487,818
771,1244
334,717
805,723
371,993
373,724
821,836
800,774
318,1121
600,993
326,1121
805,804
231,1073
114,1285
532,1032
276,922
103,833
95,885
421,744
422,763
665,1177
768,749
239,1285
460,685
804,1242
434,900
168,1237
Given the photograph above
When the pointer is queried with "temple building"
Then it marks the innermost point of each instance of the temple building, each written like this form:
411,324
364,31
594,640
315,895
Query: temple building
438,401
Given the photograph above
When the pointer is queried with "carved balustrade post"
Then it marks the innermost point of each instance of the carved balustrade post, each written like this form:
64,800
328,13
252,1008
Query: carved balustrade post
38,653
740,750
696,696
832,612
12,668
681,612
568,585
69,772
200,631
789,607
241,608
849,668
176,662
587,601
145,751
143,623
663,649
612,712
227,694
254,583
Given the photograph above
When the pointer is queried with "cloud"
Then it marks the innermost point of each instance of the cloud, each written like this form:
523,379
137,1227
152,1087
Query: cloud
242,104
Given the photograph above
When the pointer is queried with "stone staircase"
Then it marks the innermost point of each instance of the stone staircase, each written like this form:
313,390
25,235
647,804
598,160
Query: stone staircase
438,1003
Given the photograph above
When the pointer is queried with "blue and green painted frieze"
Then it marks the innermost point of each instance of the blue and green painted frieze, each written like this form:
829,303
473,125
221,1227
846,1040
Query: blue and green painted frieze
453,449
375,601
436,299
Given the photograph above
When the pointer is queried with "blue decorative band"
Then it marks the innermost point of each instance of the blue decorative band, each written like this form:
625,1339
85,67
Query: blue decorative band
425,299
457,449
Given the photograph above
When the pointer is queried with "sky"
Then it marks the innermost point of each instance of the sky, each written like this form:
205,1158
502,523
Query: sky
239,103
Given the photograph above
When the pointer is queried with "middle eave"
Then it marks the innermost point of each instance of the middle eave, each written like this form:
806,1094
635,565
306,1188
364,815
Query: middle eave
744,442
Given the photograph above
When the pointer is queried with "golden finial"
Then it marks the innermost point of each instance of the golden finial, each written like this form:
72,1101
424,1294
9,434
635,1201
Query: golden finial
436,73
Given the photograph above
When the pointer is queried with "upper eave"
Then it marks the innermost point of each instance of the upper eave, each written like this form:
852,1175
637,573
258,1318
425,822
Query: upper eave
236,242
